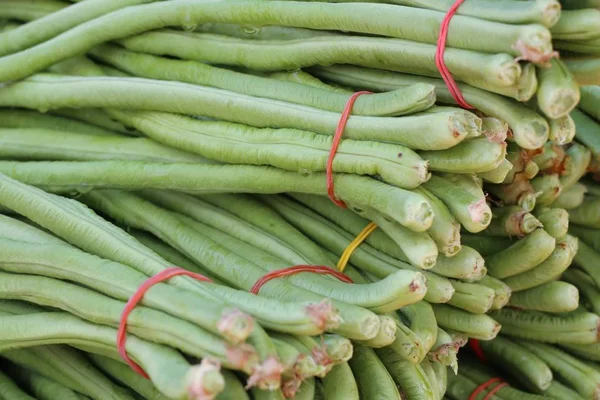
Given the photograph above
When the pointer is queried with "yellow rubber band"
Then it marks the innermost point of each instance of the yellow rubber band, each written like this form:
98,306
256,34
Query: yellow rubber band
341,265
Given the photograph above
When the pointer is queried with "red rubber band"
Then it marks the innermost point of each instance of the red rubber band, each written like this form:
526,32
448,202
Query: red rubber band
476,347
135,299
439,58
495,390
484,386
334,146
317,269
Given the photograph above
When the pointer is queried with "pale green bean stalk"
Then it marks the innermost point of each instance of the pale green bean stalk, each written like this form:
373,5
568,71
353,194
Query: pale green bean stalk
385,20
428,131
398,102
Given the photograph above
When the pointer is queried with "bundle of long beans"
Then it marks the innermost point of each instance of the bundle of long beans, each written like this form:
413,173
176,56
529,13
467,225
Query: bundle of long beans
139,135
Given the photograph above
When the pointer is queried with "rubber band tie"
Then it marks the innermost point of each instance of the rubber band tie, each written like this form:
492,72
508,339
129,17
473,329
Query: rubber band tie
439,58
135,299
341,265
487,384
317,269
335,144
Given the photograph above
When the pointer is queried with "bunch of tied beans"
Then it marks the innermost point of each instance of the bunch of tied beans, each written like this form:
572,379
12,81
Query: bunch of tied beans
139,135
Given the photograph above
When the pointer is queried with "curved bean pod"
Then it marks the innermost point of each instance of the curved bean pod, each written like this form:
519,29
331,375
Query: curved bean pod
472,297
398,102
519,362
143,322
582,378
289,149
167,368
45,144
478,326
558,93
492,72
472,212
67,367
372,377
577,327
428,131
478,155
422,322
554,220
347,17
57,20
551,268
408,208
502,291
40,386
340,384
36,120
409,377
122,373
522,256
530,129
586,286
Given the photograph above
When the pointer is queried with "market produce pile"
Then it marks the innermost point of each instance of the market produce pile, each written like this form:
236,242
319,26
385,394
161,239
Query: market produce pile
259,199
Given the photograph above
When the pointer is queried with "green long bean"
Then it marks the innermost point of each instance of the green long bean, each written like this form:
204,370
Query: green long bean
10,390
340,384
586,286
255,212
530,129
167,368
576,327
519,362
143,322
372,375
511,221
398,102
410,209
478,326
472,212
587,132
32,119
29,10
57,22
122,373
45,144
486,71
289,149
401,288
410,378
479,155
49,91
522,256
558,93
551,268
67,367
553,297
222,259
585,380
40,386
348,17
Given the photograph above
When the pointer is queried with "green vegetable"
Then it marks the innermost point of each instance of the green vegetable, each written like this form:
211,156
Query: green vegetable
522,256
518,362
346,17
553,297
372,379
